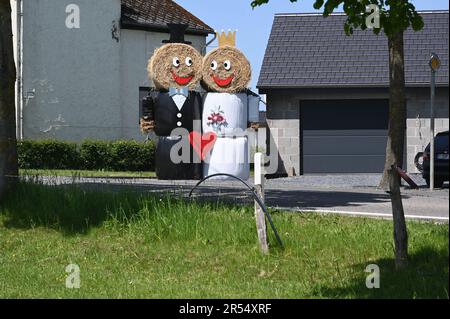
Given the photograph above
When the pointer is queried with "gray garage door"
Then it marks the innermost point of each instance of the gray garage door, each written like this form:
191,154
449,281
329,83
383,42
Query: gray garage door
343,136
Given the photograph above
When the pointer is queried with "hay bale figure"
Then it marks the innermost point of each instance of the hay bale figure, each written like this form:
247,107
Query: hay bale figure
229,108
175,69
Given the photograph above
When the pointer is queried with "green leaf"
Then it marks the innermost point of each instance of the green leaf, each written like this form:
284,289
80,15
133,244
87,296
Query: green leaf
417,23
395,15
318,4
348,29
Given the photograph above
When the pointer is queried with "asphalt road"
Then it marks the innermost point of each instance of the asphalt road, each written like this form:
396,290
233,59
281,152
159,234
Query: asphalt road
345,194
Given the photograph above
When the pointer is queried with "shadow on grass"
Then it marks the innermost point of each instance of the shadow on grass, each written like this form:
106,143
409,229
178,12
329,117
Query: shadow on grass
426,276
301,199
75,209
68,208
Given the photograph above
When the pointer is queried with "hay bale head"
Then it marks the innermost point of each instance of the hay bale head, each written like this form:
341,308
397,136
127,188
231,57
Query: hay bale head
226,70
175,65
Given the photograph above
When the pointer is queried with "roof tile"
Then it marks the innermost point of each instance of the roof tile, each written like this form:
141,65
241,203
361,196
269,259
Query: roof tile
156,14
309,50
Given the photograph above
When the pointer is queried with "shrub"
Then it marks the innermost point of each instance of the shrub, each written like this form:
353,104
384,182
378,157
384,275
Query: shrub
89,155
132,156
26,152
48,154
96,155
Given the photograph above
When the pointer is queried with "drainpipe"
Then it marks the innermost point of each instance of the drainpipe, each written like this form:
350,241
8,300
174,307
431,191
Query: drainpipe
19,100
208,43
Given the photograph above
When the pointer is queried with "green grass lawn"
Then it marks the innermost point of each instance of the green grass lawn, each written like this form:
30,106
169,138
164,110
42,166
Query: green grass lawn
131,245
83,173
87,173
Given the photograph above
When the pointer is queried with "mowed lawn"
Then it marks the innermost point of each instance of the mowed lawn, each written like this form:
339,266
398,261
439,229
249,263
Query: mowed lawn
84,173
135,245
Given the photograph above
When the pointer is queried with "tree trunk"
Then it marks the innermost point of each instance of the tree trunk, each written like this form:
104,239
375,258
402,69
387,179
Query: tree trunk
8,143
400,232
395,145
397,108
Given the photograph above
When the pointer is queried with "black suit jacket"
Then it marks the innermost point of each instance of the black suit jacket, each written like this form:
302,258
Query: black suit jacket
160,107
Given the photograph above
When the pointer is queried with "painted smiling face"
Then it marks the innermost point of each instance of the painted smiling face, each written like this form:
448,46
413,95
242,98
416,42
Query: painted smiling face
175,65
226,70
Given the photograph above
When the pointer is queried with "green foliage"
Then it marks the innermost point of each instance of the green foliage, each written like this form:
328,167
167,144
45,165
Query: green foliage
95,155
46,154
89,155
132,156
395,15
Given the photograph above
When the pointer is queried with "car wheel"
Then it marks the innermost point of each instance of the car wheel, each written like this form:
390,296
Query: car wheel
418,161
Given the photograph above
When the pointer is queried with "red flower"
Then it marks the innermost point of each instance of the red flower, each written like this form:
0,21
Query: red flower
216,119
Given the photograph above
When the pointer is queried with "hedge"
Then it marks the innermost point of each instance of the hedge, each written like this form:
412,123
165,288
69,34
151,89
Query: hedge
88,155
96,155
48,154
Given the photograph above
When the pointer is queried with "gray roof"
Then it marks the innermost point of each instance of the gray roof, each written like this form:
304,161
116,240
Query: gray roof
308,50
153,15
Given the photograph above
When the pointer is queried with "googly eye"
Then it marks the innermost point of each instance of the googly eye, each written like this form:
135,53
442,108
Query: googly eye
189,61
227,65
176,62
214,65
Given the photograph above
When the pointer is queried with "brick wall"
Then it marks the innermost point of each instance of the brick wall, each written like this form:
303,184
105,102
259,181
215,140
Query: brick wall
418,122
284,118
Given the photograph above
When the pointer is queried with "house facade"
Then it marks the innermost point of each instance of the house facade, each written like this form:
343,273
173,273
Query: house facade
328,93
83,64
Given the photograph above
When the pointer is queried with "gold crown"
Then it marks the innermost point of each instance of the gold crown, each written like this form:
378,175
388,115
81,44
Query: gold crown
227,39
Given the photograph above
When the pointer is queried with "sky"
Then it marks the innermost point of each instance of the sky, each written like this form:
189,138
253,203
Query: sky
254,25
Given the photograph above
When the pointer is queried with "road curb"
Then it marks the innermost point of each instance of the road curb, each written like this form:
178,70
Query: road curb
364,214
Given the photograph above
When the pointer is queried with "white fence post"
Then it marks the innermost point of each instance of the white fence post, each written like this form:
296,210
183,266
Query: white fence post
259,214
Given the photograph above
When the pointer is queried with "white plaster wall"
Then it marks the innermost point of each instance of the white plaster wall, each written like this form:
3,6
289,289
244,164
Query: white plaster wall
75,73
86,84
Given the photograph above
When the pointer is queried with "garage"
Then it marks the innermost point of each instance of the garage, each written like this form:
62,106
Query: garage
343,136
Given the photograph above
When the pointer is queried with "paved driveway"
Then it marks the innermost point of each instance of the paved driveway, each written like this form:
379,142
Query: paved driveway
358,194
340,194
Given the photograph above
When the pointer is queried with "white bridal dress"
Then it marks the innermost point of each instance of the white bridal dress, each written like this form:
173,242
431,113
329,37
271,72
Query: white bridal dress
227,115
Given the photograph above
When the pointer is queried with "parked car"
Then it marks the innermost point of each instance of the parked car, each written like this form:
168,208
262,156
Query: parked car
441,160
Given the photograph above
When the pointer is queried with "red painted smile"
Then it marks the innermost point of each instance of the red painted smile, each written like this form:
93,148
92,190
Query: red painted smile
181,80
223,82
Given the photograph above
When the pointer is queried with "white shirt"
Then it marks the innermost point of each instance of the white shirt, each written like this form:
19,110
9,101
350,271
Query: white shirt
179,100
